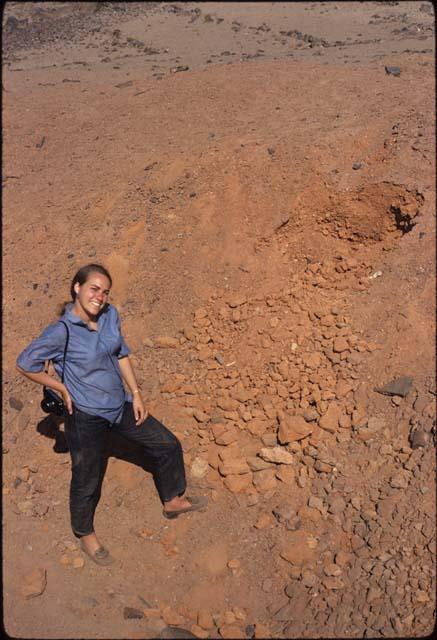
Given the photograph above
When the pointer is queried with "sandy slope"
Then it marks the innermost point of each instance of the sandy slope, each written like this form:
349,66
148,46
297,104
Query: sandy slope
225,202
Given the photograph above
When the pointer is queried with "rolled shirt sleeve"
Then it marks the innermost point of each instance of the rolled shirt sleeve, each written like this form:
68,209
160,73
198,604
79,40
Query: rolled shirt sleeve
48,346
124,349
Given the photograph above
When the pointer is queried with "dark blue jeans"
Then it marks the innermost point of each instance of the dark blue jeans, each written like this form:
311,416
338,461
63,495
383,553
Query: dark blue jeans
86,437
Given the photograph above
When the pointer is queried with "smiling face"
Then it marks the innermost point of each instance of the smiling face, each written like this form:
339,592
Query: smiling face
91,296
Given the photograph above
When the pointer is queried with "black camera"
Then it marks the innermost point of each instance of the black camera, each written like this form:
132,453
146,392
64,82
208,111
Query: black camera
52,402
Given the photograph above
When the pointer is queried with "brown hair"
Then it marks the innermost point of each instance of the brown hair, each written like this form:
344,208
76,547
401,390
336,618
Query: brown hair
81,277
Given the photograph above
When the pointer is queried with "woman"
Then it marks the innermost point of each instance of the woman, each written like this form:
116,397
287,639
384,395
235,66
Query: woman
97,364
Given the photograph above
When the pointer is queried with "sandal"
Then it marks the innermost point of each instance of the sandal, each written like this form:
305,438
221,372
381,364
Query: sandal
197,503
100,556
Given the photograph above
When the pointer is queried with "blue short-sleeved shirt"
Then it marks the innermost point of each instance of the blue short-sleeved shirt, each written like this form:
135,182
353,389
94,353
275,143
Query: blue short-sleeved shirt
92,372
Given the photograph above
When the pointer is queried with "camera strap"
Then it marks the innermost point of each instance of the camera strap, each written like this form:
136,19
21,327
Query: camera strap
46,369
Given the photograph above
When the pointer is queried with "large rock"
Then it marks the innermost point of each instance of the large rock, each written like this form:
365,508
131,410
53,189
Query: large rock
398,387
233,466
299,548
166,342
237,484
293,428
34,583
199,467
265,480
276,455
330,420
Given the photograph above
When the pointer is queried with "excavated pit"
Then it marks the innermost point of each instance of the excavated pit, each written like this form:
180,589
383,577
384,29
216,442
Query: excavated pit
371,214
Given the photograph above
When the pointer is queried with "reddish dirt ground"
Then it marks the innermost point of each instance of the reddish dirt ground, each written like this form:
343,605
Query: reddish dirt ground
262,188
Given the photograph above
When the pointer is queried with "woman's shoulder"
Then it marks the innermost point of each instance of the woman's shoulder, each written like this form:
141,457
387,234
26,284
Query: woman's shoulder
110,310
111,313
55,330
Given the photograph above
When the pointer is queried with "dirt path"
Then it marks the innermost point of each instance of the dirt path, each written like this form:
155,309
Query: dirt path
260,180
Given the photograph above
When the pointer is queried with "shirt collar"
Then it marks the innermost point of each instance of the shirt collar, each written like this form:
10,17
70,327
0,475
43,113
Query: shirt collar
72,317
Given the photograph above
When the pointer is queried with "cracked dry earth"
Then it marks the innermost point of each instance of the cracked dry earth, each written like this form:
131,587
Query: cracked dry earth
260,181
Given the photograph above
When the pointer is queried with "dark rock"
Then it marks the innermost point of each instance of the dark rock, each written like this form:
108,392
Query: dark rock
250,631
12,23
393,71
15,403
398,387
357,165
130,612
418,439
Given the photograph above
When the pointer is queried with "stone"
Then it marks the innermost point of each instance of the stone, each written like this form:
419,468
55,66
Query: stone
23,474
204,619
130,613
376,424
173,633
340,344
330,420
226,438
232,631
15,403
229,617
309,579
342,558
337,505
228,404
400,479
299,548
276,455
344,421
34,583
236,300
398,387
332,569
342,388
322,467
392,71
292,429
314,502
265,520
258,464
199,632
166,342
419,439
199,467
78,563
332,583
284,512
237,484
264,480
171,617
257,427
261,631
200,415
286,474
233,466
311,415
269,439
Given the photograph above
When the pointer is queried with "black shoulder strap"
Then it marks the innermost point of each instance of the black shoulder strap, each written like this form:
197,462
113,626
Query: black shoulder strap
65,348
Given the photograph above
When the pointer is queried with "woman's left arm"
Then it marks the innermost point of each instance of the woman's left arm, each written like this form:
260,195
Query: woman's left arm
128,375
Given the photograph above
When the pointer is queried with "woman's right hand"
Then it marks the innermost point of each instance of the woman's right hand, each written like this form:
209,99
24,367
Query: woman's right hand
67,400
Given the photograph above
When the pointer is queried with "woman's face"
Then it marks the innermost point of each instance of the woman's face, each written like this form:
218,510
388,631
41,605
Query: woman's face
91,296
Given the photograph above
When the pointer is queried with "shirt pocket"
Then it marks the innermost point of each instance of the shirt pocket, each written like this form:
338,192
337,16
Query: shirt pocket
110,343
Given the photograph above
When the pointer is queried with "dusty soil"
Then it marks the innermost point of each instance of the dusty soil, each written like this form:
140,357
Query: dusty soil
262,190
